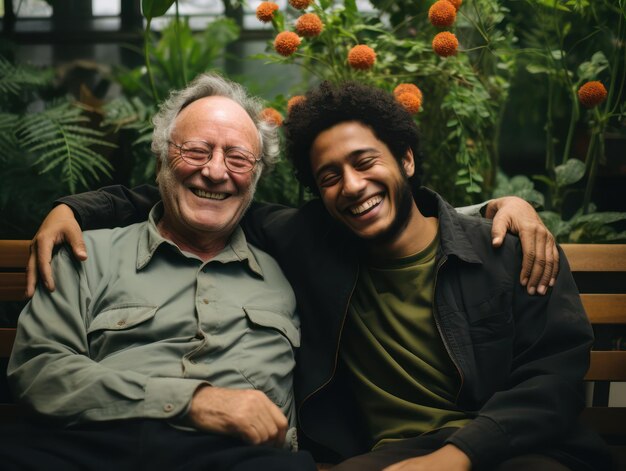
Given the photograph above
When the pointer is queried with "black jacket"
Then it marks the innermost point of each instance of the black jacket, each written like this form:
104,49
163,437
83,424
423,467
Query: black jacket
521,359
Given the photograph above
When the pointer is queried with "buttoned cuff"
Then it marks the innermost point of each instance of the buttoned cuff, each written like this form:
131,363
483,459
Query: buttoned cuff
169,397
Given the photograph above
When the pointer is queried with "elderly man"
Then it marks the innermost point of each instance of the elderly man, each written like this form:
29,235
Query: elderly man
173,346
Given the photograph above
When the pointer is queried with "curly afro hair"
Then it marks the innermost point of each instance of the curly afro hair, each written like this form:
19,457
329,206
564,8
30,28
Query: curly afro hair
329,104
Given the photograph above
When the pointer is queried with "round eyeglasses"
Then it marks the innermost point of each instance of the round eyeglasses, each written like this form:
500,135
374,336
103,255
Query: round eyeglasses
198,153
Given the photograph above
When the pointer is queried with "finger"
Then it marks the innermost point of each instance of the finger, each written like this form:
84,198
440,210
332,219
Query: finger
539,265
528,255
547,272
43,251
76,241
31,273
498,230
555,270
281,425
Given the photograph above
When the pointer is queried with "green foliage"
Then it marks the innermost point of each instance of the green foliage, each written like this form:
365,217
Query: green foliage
60,138
585,228
19,80
178,54
596,227
463,94
48,147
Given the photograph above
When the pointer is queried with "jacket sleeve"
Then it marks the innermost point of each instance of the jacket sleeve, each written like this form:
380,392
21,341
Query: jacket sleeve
545,393
51,372
112,206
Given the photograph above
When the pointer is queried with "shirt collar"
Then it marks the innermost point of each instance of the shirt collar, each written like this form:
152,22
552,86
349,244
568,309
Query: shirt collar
236,250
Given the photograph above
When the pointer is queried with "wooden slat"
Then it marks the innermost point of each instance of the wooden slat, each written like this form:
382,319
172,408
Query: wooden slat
14,253
7,337
12,286
596,257
605,308
607,366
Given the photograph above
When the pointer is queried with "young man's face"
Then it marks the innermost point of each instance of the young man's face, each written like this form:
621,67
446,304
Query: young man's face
360,181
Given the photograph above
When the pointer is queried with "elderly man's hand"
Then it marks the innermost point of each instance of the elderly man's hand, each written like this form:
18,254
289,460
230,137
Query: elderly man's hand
540,264
244,413
447,458
59,226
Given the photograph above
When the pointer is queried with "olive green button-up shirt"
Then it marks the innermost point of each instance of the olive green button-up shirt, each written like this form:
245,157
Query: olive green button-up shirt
136,328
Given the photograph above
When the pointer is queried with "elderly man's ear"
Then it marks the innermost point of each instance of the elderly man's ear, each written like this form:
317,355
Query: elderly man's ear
159,163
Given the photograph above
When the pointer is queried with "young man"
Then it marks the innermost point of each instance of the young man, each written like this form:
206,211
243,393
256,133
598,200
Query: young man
433,356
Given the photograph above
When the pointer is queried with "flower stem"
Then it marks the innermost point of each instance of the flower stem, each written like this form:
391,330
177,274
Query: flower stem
181,59
146,47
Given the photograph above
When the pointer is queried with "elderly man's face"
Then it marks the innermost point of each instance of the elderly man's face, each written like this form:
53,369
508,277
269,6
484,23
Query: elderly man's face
208,201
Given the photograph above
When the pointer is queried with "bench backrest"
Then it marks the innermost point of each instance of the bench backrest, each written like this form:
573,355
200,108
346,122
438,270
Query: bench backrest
600,273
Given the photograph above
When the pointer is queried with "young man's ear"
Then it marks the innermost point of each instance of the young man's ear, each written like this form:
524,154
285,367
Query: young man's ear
408,163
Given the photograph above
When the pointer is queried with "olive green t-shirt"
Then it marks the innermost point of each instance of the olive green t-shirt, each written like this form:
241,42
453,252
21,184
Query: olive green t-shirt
404,380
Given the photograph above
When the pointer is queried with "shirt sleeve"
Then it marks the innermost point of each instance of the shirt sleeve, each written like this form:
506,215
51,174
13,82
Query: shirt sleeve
51,372
545,395
112,206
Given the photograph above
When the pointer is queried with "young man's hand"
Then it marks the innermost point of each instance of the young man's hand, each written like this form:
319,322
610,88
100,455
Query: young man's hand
447,458
59,226
247,414
540,264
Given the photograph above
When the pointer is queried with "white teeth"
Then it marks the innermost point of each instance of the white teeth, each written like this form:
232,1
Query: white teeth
208,194
361,208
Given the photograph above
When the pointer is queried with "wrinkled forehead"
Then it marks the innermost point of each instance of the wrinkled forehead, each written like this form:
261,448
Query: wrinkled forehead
216,117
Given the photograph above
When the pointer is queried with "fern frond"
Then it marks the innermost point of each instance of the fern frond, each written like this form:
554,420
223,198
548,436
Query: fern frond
14,79
62,138
8,141
127,113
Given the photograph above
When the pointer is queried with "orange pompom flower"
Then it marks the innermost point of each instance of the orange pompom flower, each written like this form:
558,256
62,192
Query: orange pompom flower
272,116
442,13
591,94
265,11
294,101
445,44
361,57
286,43
300,4
408,88
309,25
410,101
457,3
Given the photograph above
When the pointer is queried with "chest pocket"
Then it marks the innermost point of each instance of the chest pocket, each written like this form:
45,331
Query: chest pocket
268,358
118,328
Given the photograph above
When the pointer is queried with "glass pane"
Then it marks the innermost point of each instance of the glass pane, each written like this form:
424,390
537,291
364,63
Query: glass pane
198,7
106,7
31,9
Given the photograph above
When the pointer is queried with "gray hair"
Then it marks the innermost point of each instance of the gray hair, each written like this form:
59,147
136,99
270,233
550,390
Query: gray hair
206,85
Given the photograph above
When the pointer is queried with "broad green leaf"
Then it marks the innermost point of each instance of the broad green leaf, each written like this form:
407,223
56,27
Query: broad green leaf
154,8
569,172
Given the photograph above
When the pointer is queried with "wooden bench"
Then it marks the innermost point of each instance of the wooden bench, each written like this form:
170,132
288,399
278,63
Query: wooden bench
600,273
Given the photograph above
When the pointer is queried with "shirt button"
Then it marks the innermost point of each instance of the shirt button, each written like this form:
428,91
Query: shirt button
205,301
168,407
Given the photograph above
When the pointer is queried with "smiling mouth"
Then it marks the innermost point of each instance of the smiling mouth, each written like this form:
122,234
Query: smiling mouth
366,206
209,195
